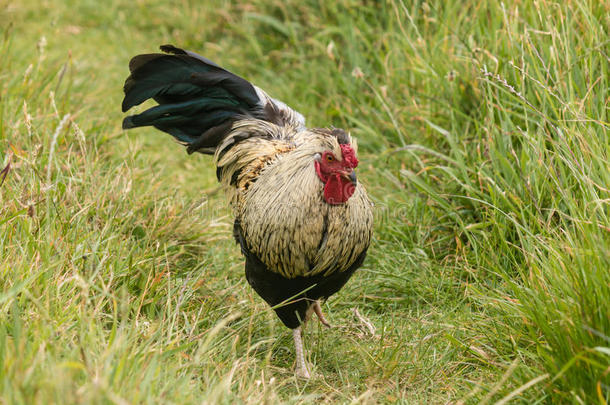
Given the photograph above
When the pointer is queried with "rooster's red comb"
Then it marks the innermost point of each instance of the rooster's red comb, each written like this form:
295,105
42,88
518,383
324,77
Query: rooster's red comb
349,155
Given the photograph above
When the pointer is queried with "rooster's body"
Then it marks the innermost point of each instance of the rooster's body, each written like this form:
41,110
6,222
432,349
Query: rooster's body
303,222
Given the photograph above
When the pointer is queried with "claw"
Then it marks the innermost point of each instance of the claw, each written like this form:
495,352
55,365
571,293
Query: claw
318,310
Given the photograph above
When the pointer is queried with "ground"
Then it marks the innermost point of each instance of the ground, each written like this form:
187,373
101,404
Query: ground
483,140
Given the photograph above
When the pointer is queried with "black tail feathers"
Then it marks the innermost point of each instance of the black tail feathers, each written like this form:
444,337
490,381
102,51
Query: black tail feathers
198,100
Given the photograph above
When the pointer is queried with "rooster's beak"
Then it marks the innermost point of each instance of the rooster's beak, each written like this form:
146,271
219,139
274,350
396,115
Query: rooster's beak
352,178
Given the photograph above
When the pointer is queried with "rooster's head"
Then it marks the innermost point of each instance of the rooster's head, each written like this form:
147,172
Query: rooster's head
336,170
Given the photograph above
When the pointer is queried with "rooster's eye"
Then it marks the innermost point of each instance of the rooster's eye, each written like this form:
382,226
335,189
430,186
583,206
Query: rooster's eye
330,158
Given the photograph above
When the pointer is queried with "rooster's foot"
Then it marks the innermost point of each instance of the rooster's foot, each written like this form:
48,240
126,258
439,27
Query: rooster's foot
318,310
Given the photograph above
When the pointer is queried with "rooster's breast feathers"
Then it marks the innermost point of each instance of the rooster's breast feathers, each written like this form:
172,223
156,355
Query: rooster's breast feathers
289,226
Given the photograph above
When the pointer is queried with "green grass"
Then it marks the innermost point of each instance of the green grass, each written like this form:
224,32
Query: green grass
483,133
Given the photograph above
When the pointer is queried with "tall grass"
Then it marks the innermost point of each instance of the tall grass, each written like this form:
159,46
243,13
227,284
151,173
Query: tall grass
528,195
483,133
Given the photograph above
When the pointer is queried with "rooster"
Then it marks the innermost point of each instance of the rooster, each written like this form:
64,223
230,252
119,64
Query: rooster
302,220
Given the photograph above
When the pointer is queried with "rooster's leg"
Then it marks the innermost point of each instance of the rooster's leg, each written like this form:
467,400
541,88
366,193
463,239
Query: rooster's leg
301,368
318,310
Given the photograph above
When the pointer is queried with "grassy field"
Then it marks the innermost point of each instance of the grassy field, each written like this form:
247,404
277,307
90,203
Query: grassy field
483,134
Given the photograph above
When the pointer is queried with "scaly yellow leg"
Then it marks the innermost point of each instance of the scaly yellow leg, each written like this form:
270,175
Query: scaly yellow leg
301,367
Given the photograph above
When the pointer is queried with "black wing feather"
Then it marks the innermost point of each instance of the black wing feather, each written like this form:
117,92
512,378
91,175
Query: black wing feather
196,97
